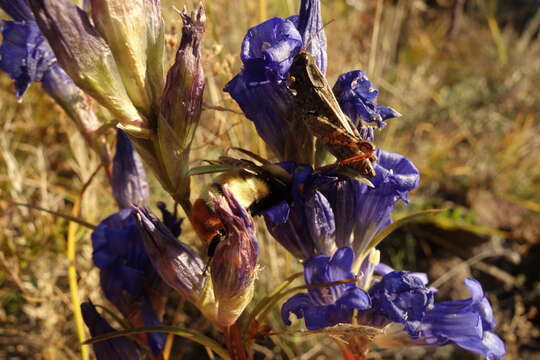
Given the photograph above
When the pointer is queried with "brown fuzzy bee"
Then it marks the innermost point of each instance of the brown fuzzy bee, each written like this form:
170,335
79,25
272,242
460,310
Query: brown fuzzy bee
316,104
256,187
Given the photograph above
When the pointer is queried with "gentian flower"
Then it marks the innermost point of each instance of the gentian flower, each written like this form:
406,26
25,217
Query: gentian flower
467,323
128,278
26,55
307,226
176,263
129,183
267,53
324,307
19,10
181,106
402,297
358,100
361,211
234,264
119,348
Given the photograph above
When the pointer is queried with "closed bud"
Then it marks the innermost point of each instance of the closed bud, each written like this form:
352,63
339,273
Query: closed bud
129,183
234,265
86,57
182,103
120,348
175,262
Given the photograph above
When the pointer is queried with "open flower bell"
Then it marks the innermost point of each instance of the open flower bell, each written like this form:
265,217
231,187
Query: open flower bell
327,306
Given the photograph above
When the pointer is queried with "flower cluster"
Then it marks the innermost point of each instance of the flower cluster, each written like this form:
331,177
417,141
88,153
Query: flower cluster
327,219
333,219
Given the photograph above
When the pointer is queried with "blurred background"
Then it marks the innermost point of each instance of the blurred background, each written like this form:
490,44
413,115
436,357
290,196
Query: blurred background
465,74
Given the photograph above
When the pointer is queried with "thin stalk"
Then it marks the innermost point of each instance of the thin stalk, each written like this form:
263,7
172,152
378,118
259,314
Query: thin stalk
71,254
185,333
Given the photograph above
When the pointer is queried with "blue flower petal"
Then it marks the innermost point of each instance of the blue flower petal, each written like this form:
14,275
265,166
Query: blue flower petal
19,10
120,348
268,106
311,27
129,183
491,346
275,41
295,305
320,221
343,259
278,214
403,298
156,340
358,99
355,298
318,317
25,54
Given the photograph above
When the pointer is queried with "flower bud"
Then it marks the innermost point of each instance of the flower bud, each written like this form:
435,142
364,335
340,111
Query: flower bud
175,262
120,348
86,57
233,267
181,103
127,277
124,25
129,183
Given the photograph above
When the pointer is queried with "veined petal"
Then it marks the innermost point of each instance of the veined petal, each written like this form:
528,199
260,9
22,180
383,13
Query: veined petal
120,348
19,10
321,223
311,27
358,99
25,54
275,42
268,105
295,305
175,262
129,183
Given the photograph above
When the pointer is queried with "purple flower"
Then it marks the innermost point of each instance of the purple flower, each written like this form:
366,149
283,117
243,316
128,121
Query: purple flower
267,53
175,262
310,25
403,297
358,99
25,54
327,306
129,184
467,323
127,277
361,211
306,227
120,348
19,10
235,258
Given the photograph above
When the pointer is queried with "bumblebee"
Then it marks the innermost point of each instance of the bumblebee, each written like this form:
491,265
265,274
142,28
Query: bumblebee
256,187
